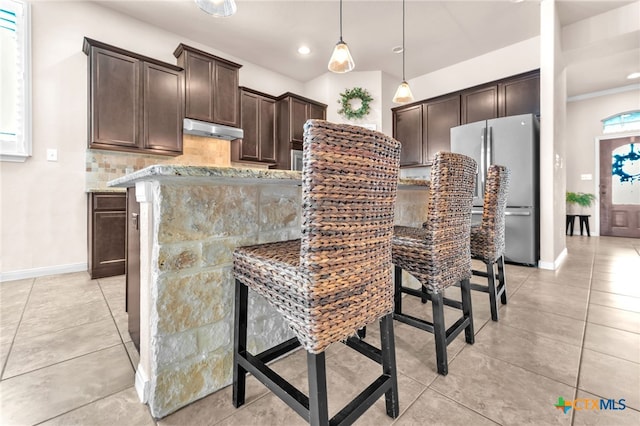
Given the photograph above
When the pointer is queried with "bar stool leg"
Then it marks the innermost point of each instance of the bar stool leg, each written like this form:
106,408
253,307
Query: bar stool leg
317,374
440,333
239,343
503,281
493,292
397,295
388,346
465,290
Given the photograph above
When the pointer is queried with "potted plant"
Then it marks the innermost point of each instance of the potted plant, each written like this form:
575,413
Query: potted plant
578,202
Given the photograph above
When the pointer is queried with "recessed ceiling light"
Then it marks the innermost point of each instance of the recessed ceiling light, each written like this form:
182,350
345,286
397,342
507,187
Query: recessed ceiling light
304,50
633,75
397,49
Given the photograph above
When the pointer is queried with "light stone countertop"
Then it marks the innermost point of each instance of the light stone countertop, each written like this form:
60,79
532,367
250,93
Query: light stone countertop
192,174
116,190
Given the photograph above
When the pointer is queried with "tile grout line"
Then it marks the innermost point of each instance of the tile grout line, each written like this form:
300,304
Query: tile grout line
584,333
15,333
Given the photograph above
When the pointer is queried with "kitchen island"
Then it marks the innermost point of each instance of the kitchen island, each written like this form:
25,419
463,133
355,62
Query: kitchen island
190,221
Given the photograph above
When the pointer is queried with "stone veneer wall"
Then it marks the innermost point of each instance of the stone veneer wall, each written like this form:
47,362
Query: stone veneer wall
191,312
103,166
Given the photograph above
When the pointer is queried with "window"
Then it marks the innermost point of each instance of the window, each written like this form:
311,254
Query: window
15,81
624,122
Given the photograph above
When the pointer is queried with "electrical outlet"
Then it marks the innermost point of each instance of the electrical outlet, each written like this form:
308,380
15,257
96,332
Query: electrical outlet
52,155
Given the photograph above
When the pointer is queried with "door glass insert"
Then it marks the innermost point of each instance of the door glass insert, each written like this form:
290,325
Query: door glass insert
625,171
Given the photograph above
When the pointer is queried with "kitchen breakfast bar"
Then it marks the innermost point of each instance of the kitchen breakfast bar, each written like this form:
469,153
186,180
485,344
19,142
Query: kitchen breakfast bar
190,221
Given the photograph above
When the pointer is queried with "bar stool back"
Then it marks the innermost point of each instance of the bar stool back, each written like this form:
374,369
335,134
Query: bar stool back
487,238
334,280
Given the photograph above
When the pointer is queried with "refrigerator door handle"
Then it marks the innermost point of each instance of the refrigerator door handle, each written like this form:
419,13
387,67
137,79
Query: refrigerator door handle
517,213
489,160
476,211
483,166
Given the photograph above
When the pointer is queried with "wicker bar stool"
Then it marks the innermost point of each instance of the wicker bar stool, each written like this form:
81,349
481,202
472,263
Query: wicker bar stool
487,238
438,255
336,279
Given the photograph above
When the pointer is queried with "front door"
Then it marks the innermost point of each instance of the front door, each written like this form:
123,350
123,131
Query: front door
620,187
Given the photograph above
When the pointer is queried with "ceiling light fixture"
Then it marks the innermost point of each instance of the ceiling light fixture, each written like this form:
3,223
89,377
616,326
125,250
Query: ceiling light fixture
633,75
341,60
304,50
403,94
218,8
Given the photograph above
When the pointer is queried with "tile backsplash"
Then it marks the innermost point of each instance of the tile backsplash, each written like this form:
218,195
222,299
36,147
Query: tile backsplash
103,166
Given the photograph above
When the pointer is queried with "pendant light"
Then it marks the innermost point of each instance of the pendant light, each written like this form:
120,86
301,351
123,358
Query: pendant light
218,8
341,60
403,94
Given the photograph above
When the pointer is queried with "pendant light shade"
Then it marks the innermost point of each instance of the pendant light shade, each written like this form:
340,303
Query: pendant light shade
403,94
341,60
218,8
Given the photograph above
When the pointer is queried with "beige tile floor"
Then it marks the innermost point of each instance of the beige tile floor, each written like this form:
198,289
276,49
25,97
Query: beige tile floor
67,359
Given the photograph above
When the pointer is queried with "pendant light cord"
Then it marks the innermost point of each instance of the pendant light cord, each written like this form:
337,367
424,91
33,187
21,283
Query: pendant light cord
403,49
341,20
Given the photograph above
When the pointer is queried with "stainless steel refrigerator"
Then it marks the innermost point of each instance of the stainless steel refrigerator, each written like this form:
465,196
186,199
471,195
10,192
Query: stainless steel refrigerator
512,142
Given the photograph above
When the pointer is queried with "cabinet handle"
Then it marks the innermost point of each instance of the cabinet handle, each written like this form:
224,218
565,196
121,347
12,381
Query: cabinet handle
136,222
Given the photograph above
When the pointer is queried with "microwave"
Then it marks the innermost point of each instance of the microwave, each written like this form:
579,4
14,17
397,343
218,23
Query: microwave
296,159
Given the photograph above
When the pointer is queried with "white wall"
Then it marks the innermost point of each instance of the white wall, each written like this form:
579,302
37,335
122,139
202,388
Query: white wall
43,206
584,125
327,89
511,60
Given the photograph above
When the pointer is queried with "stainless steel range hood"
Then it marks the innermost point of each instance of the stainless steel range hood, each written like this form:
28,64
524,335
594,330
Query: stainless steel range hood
211,130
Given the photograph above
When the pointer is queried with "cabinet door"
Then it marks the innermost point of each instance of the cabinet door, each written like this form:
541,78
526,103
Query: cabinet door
199,86
249,116
479,104
298,116
266,130
520,96
407,128
438,117
225,95
114,99
162,108
106,234
317,111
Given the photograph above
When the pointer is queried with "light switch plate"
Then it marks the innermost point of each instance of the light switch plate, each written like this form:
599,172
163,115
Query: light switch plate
52,155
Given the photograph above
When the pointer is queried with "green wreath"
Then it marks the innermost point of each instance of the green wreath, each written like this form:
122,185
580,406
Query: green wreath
345,102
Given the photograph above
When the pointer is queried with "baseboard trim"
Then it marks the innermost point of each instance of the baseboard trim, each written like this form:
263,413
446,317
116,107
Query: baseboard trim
556,264
142,385
41,272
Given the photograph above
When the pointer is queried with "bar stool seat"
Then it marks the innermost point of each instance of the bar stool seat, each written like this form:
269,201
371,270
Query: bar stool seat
333,281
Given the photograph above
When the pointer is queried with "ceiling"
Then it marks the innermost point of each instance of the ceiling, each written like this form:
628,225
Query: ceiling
438,34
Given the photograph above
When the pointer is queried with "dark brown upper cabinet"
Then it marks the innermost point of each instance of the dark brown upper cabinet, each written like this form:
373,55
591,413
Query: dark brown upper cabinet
438,117
135,102
211,86
407,128
292,112
257,119
424,126
424,129
479,103
520,95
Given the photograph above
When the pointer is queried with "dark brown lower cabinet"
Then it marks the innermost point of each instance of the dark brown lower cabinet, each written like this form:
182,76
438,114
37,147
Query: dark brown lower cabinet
133,266
106,234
